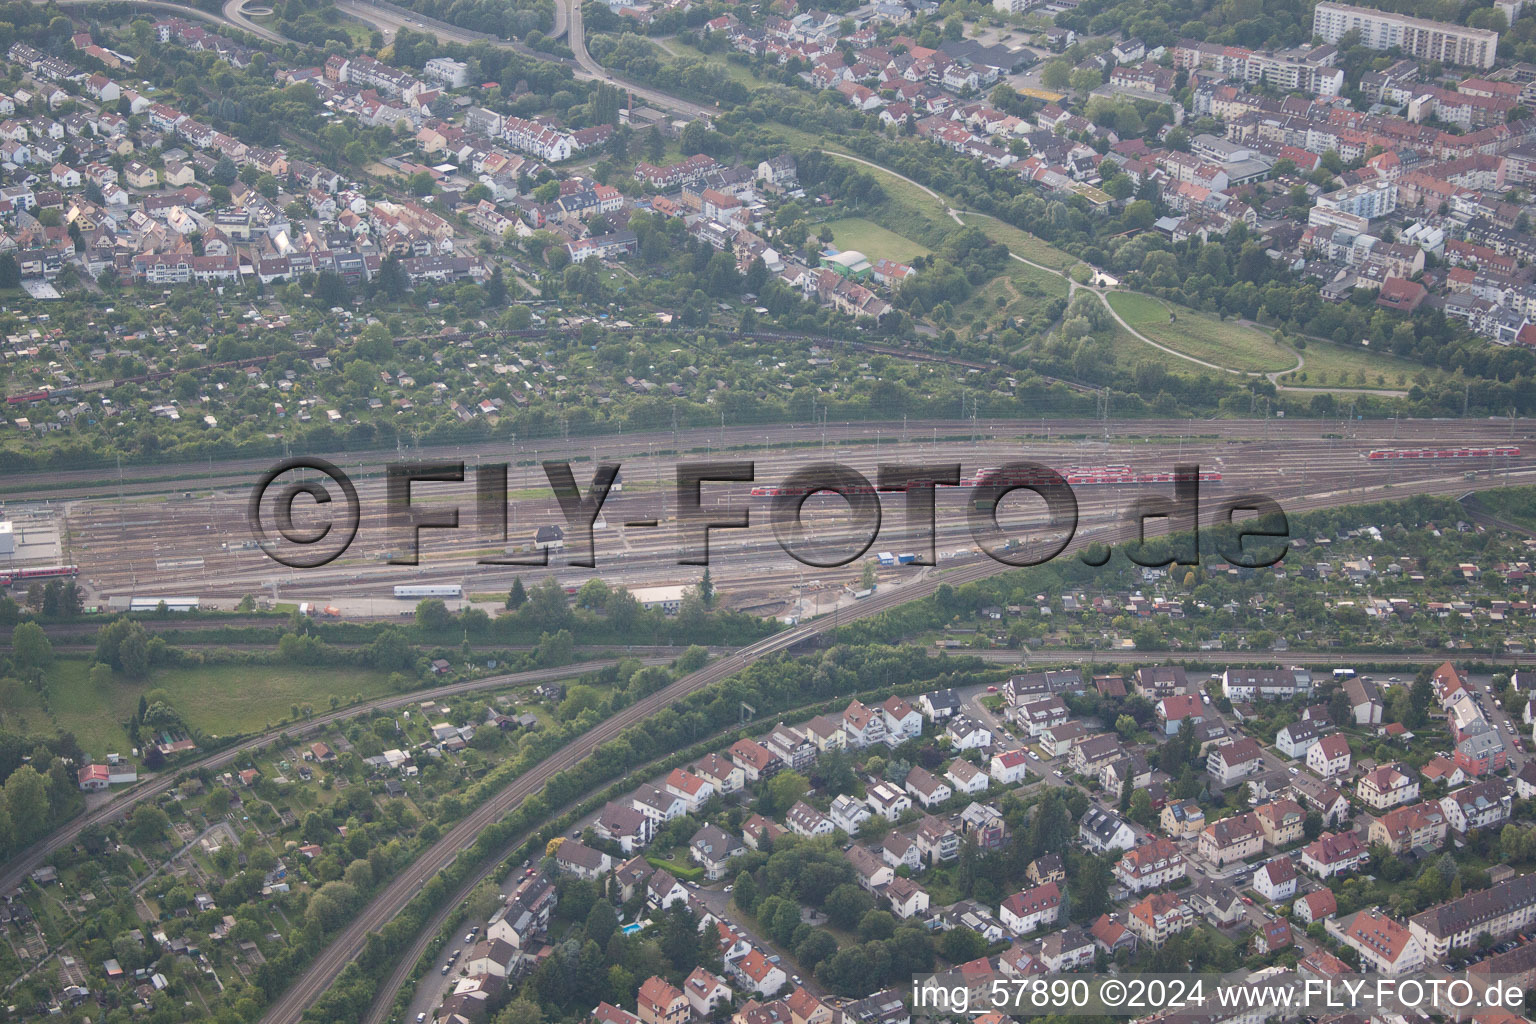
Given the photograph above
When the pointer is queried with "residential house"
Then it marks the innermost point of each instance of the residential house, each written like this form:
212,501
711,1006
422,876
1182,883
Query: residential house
899,851
1182,819
886,800
658,1002
1231,762
1025,911
706,992
964,777
1387,786
805,820
848,813
1178,710
1385,946
1315,906
578,859
926,788
1009,767
712,848
1159,917
1276,880
1485,804
1329,756
1282,821
1231,839
1334,853
1408,829
1153,866
1102,831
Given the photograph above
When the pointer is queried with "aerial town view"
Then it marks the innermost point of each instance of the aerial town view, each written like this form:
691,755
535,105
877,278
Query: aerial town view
767,512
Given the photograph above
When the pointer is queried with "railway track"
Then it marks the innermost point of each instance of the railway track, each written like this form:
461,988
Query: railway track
242,472
121,547
289,1008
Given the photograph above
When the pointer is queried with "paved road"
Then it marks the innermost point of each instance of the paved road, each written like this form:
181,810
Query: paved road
234,13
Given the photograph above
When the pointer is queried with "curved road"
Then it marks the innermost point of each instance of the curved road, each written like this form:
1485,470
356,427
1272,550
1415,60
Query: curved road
344,948
18,867
188,11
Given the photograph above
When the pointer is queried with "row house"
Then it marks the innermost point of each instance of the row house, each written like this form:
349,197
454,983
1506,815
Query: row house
1498,911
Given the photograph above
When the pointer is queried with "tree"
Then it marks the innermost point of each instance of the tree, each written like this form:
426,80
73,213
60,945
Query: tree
149,824
784,789
961,945
30,650
1339,708
745,893
1056,74
815,948
602,922
432,615
133,653
330,906
10,271
694,139
496,288
1420,697
517,596
707,590
26,800
1086,80
1312,826
877,924
845,905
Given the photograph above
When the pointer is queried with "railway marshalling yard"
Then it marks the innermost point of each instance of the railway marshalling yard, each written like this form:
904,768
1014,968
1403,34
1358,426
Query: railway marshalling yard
159,536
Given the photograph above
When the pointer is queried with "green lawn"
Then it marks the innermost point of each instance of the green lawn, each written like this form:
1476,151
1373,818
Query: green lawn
1195,334
1329,365
737,72
874,241
218,699
1034,249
